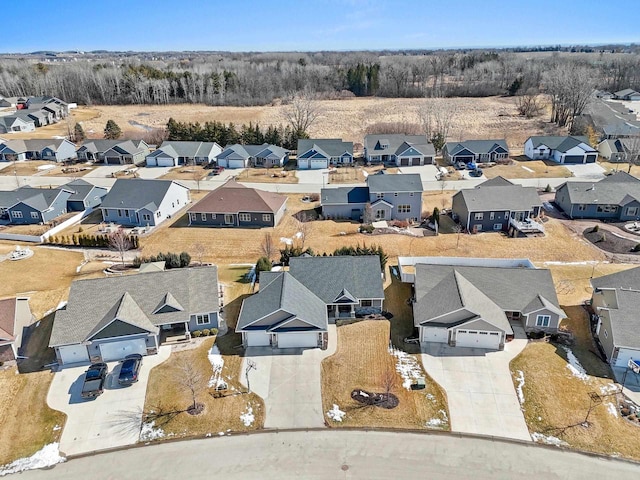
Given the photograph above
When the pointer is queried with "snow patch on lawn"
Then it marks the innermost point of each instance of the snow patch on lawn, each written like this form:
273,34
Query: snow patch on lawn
612,409
548,439
608,388
217,362
407,366
336,414
574,366
439,422
247,417
149,431
520,380
46,457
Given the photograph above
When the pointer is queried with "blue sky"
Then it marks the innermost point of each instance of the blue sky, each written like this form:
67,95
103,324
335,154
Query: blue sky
307,25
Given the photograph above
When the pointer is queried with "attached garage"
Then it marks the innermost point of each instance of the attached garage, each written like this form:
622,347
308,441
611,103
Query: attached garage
118,350
317,164
257,339
112,160
160,162
573,159
404,162
463,158
73,354
592,157
235,163
478,339
415,161
624,355
434,334
298,340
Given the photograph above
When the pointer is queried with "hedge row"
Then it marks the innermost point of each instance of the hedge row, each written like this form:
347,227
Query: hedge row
83,240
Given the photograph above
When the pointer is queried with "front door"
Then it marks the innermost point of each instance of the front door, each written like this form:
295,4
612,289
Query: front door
380,214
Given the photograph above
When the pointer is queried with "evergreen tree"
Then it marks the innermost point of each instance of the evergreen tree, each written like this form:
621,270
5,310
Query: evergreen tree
78,133
112,130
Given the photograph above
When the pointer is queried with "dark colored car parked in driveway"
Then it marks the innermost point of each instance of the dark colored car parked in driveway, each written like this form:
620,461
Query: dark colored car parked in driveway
129,369
94,379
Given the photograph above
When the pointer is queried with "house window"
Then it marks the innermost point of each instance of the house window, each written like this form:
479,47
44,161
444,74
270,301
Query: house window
146,217
244,217
582,207
202,319
193,216
379,195
404,208
266,217
492,215
607,208
119,212
228,219
411,194
543,320
203,217
16,214
380,214
497,226
35,215
126,213
478,216
632,211
395,194
213,216
158,214
366,303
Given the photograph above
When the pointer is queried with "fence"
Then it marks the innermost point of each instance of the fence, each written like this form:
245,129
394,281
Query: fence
52,231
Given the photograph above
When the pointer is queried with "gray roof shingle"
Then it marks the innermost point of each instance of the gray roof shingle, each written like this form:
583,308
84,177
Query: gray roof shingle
561,144
476,146
344,195
395,144
409,182
616,189
137,193
496,195
328,147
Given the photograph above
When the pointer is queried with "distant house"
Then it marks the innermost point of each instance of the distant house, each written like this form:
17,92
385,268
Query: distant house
616,197
397,149
243,156
42,118
619,149
84,195
472,303
29,205
560,149
15,314
616,302
15,123
57,150
627,94
173,153
114,152
391,197
621,130
109,318
234,205
475,151
315,153
498,205
292,309
140,202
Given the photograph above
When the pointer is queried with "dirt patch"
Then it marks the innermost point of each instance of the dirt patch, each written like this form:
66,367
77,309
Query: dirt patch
267,175
381,400
609,242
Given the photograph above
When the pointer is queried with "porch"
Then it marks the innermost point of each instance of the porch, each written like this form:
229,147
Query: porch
174,333
341,311
526,226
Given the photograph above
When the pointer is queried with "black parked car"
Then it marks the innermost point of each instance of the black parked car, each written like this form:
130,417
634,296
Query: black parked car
94,379
129,369
476,172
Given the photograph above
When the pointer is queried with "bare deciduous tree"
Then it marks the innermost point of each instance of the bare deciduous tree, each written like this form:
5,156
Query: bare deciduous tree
303,226
570,88
367,214
301,112
119,241
268,246
631,147
529,105
436,116
199,250
192,380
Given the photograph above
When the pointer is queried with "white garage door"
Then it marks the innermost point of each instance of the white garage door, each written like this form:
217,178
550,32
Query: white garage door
478,339
258,339
624,354
298,340
119,350
73,354
319,164
236,163
435,334
151,162
165,161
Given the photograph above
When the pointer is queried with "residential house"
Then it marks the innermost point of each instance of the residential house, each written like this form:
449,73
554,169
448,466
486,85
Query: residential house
41,118
114,152
15,314
84,195
398,149
15,123
57,150
498,205
621,130
143,203
616,197
29,205
616,301
10,102
477,303
315,153
109,318
243,156
172,154
627,94
293,308
234,205
475,151
391,197
620,149
560,149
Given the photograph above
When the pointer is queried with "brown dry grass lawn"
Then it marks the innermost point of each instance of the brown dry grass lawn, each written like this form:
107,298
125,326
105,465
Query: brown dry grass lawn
528,169
555,398
186,172
27,422
361,362
614,167
346,175
27,168
164,393
267,175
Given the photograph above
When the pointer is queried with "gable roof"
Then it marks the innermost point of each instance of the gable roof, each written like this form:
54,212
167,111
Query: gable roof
233,197
616,189
37,198
8,319
81,189
124,147
562,144
133,299
177,149
137,193
408,182
328,147
395,144
344,195
496,195
476,146
37,145
626,92
247,151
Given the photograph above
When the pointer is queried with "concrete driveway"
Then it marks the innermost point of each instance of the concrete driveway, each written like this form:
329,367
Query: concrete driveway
288,380
153,172
480,391
428,173
111,420
586,170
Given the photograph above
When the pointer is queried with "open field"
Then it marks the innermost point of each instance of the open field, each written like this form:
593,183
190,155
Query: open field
490,117
61,129
528,169
346,175
363,361
267,175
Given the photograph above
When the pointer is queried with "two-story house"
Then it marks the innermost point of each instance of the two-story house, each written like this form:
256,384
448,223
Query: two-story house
174,153
398,149
560,149
317,153
243,156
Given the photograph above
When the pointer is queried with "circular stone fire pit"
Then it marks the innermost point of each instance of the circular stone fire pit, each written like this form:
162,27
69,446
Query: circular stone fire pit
382,400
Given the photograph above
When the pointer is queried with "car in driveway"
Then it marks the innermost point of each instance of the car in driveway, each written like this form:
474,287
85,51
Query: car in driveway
94,379
476,172
129,369
460,165
216,170
471,166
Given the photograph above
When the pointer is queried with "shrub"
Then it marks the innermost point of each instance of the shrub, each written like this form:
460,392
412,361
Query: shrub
314,197
595,228
636,248
196,333
263,265
172,261
366,229
625,412
213,331
548,188
80,229
206,332
185,259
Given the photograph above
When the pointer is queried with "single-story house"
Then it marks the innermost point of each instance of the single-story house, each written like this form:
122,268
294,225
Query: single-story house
141,202
398,149
15,314
41,118
498,205
57,150
616,197
315,153
620,149
292,309
391,197
616,302
475,151
243,156
15,123
28,205
471,303
560,149
621,129
109,318
173,153
85,195
627,94
114,152
234,205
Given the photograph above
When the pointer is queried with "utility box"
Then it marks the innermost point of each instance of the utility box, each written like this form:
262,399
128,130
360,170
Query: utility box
419,384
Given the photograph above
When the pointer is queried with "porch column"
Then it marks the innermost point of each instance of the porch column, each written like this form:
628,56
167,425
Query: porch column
187,333
353,311
335,311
